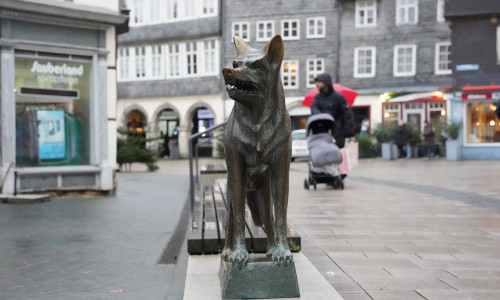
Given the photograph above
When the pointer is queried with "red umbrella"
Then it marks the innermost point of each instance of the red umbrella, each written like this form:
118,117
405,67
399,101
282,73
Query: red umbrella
349,94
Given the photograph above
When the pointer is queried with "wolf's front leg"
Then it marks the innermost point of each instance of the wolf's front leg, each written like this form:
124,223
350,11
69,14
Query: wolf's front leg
280,177
235,251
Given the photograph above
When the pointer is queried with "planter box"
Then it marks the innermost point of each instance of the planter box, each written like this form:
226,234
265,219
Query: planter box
452,150
389,151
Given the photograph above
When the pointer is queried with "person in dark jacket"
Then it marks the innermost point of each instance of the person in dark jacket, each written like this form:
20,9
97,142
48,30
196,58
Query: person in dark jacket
401,138
334,103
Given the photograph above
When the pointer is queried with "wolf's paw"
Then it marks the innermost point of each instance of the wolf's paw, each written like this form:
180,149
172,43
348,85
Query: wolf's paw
225,253
280,254
238,256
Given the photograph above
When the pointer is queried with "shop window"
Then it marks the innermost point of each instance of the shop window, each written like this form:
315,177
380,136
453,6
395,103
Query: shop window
482,123
52,111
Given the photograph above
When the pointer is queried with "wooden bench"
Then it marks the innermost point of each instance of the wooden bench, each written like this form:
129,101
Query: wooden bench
207,231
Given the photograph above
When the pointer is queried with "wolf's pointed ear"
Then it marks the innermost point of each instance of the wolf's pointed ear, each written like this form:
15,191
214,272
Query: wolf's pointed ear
275,49
240,45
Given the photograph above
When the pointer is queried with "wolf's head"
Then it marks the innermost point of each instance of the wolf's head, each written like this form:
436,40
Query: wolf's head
255,72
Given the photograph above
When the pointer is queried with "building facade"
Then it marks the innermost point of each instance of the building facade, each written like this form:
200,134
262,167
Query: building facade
397,55
57,94
169,82
475,40
380,48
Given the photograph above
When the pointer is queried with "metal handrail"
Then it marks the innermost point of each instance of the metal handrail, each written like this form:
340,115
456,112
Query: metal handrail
191,139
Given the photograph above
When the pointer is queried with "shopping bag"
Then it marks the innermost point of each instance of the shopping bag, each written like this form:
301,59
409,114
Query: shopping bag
352,152
343,168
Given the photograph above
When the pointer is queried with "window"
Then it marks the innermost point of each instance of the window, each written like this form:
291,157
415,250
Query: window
242,30
264,30
209,7
440,10
145,12
210,57
172,10
391,113
290,74
406,12
443,58
482,123
123,64
137,11
315,67
155,8
366,13
140,62
191,59
156,62
290,29
189,9
174,60
316,27
364,62
405,60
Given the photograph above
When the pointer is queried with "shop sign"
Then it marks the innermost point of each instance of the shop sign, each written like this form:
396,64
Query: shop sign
481,96
469,67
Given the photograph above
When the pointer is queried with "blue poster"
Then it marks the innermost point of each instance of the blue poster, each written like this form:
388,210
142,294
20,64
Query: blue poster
51,137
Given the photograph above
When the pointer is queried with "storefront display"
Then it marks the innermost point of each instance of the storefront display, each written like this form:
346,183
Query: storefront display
482,123
52,111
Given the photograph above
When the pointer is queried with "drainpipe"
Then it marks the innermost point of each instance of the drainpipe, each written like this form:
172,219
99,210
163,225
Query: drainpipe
337,62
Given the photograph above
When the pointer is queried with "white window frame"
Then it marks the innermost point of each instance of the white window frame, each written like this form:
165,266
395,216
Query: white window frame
287,83
237,30
406,7
209,56
357,58
318,68
438,61
318,23
440,11
266,34
412,72
211,8
138,11
141,62
157,60
290,29
365,7
124,62
192,68
172,10
173,61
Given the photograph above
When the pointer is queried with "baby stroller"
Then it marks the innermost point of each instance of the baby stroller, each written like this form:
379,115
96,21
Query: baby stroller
324,155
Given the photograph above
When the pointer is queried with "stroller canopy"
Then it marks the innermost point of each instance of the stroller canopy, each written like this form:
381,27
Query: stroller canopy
320,123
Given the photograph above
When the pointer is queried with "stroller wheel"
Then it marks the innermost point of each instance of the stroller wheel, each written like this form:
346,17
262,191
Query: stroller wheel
306,184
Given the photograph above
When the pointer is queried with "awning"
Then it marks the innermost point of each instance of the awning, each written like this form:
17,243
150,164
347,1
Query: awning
420,97
480,92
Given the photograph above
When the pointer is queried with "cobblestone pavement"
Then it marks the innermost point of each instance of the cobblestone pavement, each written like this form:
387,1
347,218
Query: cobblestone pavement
411,229
97,247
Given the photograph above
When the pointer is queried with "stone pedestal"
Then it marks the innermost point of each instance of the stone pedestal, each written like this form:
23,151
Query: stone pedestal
260,278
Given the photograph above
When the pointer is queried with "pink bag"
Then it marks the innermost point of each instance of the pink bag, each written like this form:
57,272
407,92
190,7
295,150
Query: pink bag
349,157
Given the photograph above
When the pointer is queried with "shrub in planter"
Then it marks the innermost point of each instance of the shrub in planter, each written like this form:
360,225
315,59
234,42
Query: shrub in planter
384,133
131,149
365,145
452,130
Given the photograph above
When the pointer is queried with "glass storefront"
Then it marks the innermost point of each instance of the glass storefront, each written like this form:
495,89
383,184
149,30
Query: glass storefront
482,125
52,111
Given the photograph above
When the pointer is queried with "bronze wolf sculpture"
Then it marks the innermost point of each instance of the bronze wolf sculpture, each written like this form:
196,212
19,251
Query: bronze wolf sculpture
257,144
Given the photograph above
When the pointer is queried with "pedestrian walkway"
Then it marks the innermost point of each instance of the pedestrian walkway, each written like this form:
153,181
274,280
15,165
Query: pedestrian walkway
409,229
